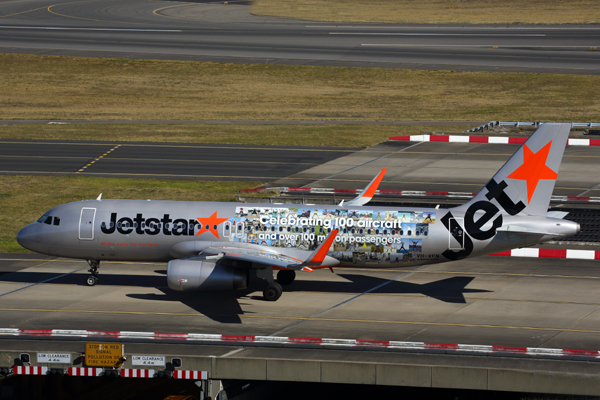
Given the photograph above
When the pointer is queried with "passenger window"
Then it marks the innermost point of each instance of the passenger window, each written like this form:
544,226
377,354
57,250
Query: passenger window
56,221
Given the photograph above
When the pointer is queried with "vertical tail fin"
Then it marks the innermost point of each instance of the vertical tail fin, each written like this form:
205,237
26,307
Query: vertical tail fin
525,183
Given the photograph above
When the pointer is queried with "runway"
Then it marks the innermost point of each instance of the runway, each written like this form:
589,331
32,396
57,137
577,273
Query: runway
489,300
229,33
161,160
431,166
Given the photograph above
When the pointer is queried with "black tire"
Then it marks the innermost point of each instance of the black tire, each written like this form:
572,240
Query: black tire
272,292
286,276
92,280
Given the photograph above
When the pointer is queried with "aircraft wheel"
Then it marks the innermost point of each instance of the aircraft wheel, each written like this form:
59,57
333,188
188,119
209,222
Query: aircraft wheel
272,292
92,280
286,276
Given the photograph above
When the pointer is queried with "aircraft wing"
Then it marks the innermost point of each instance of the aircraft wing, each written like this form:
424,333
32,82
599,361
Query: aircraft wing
316,259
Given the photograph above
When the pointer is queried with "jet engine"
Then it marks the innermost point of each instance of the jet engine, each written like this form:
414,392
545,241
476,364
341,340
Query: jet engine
204,276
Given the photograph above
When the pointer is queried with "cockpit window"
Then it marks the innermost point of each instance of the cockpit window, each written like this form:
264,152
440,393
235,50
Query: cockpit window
47,219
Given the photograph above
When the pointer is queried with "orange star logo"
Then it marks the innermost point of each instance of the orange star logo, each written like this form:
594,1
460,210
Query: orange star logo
533,169
210,224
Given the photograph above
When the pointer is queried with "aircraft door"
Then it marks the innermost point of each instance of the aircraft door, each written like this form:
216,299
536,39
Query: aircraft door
456,234
86,223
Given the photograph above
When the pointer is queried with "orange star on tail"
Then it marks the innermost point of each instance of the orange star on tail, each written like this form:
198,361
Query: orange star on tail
534,168
210,224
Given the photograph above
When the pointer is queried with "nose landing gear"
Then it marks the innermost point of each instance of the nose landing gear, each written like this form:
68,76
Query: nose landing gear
93,278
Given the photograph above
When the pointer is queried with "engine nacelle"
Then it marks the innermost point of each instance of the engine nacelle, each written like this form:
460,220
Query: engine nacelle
200,275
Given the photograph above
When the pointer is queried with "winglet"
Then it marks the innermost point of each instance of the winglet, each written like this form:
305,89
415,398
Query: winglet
368,192
318,256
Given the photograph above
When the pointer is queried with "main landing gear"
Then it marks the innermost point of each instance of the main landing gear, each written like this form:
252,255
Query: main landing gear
273,290
93,278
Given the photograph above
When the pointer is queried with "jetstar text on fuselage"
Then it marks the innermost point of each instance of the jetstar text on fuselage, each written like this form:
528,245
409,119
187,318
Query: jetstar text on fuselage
151,226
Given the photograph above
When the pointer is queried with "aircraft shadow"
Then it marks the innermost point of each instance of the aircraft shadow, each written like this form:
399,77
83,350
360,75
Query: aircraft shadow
225,307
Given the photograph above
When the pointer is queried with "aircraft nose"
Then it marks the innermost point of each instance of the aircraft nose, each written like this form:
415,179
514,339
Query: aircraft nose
26,237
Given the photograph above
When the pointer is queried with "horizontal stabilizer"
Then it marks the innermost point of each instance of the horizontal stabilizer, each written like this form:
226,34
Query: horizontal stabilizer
525,231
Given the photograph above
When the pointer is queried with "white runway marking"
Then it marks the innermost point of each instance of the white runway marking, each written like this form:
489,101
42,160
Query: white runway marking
437,34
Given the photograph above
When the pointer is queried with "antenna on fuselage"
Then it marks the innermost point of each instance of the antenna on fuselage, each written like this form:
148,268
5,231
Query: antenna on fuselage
99,197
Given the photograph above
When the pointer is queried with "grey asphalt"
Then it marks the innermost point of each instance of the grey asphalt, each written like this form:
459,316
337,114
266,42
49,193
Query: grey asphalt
161,160
427,166
522,302
228,32
442,167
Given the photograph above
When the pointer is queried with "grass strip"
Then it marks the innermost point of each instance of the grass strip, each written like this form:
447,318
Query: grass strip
282,135
435,11
52,87
23,199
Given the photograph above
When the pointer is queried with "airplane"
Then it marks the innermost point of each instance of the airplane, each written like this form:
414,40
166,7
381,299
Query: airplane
224,246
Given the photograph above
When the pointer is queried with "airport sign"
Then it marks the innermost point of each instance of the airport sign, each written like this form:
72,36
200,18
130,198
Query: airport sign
155,361
54,358
103,354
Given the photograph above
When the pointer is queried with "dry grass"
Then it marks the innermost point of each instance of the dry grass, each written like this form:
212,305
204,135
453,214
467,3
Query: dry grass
435,11
284,135
23,199
49,87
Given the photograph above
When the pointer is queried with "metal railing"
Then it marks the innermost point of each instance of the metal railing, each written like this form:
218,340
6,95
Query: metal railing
518,124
